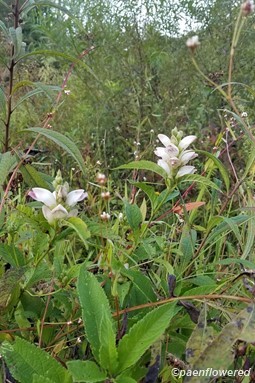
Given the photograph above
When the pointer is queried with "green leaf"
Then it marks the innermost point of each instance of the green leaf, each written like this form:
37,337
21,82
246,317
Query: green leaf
233,261
42,379
125,379
2,102
10,289
12,255
95,310
80,227
144,165
86,371
16,38
40,89
64,142
149,191
143,334
7,164
142,285
134,215
226,225
32,177
72,59
219,165
26,360
200,179
5,4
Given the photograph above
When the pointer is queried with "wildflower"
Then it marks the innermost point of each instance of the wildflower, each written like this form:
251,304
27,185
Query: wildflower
247,7
78,340
192,43
105,216
174,156
244,114
67,92
120,216
106,195
101,178
57,204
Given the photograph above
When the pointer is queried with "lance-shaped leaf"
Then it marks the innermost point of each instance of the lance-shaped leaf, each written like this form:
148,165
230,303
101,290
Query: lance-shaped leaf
97,318
143,334
64,142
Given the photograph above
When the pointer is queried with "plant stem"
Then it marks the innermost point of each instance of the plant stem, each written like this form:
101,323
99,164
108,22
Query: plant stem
11,79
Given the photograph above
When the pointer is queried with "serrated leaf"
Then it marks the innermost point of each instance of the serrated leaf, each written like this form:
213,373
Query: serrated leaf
7,164
12,255
86,371
144,165
25,361
143,334
142,285
219,165
32,177
218,355
134,215
64,142
95,309
10,289
80,227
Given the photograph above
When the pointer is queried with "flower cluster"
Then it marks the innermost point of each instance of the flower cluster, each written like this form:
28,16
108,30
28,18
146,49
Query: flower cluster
174,156
59,204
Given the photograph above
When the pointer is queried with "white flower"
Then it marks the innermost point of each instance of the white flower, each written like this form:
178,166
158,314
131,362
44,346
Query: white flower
101,178
174,156
193,42
105,216
57,204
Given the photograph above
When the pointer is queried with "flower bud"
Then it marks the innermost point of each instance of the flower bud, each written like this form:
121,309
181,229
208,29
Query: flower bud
247,7
106,195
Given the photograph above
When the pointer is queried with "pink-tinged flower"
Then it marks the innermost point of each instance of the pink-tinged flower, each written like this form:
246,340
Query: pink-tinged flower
101,178
105,216
174,156
57,204
247,7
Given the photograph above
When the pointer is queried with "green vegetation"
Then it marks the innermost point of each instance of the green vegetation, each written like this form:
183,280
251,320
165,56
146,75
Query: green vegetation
127,191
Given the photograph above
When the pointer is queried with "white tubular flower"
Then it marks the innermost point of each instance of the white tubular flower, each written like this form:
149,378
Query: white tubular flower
57,204
174,156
